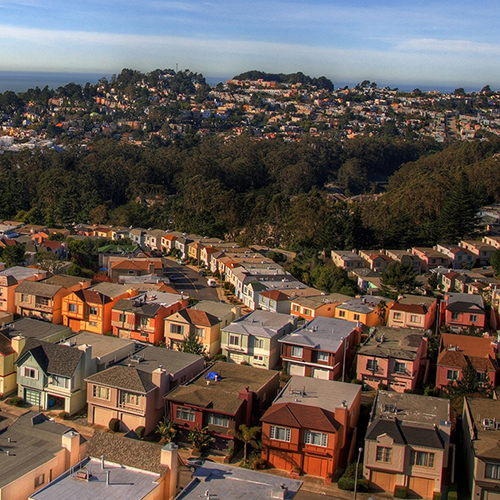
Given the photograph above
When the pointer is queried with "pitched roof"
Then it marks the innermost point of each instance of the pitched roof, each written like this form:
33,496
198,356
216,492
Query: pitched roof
124,377
196,317
274,295
56,359
38,288
301,416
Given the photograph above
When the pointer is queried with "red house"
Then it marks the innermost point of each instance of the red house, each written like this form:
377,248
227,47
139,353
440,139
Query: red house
310,426
457,350
463,310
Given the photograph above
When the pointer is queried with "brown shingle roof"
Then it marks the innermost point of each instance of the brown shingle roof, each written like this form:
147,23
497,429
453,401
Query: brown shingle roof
196,317
124,377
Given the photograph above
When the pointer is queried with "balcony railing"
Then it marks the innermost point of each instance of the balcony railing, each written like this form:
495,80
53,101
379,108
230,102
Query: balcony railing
43,307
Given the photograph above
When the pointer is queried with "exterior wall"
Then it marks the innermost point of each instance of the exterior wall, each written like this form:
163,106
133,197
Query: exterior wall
370,319
464,319
8,374
412,320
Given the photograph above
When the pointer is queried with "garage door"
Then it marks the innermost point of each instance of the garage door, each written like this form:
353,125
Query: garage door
491,495
74,324
279,460
422,487
383,481
32,397
102,416
296,369
316,466
320,373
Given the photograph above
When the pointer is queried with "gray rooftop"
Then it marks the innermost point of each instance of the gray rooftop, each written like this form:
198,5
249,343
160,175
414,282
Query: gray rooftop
215,308
102,345
20,272
125,483
150,358
320,300
111,290
39,288
65,281
37,329
260,324
226,482
326,394
325,334
364,305
401,343
34,441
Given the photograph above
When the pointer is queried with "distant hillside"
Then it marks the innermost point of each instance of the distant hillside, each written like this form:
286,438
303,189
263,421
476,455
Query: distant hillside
322,82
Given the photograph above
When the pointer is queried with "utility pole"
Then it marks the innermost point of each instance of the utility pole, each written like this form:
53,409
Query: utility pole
356,473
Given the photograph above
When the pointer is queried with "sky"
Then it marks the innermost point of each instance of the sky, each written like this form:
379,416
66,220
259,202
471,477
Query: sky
418,43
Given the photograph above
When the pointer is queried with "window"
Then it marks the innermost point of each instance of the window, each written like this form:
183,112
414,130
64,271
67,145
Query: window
341,314
185,414
39,480
323,356
199,332
399,367
131,399
452,375
259,360
372,365
220,420
144,321
234,340
414,318
93,311
316,438
357,317
422,458
101,392
280,433
297,352
25,297
295,308
455,316
307,312
177,329
30,373
473,318
92,323
122,318
59,381
72,308
384,454
259,343
492,471
43,301
397,316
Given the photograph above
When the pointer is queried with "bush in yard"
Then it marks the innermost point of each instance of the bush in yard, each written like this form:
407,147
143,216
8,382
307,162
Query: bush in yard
400,492
114,425
16,401
64,415
140,431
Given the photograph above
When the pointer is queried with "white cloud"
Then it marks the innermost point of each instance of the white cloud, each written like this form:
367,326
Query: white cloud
465,47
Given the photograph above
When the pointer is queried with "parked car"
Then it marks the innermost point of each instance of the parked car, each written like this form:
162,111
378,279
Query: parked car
192,463
172,277
211,282
203,272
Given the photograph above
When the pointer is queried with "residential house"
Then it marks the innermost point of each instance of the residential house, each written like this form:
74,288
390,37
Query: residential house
253,338
481,250
377,261
206,255
347,260
251,291
367,280
52,376
310,426
35,451
394,357
459,256
413,311
37,329
194,251
481,435
229,481
494,241
168,242
10,278
181,243
369,310
119,266
132,391
316,305
90,309
274,301
431,258
153,239
118,467
407,258
43,299
407,444
138,235
462,310
205,319
103,231
456,351
323,348
223,397
143,316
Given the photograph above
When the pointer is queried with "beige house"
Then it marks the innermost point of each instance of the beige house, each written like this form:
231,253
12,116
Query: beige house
407,444
413,311
481,432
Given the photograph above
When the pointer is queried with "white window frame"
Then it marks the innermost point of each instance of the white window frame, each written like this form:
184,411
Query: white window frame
280,433
321,438
323,357
72,308
492,471
218,420
234,340
91,309
372,365
452,374
384,454
258,343
176,329
297,352
100,392
186,414
29,372
400,367
427,458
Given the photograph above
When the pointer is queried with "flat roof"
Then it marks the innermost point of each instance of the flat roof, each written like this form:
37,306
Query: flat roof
34,441
226,482
326,394
260,324
102,345
125,483
487,441
36,329
364,305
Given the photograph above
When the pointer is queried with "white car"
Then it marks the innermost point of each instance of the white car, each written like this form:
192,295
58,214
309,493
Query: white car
211,282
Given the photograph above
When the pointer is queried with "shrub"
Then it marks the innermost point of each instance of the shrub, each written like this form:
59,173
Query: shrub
400,492
453,492
347,483
220,357
437,495
140,431
259,464
382,387
16,401
114,425
64,415
356,381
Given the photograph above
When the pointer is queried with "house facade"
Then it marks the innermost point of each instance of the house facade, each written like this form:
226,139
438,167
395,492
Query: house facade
413,311
431,258
309,308
366,310
310,425
463,310
10,278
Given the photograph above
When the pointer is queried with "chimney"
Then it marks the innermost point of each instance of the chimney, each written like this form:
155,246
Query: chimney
17,344
71,441
342,417
102,462
107,477
280,492
160,378
151,268
89,363
170,459
247,396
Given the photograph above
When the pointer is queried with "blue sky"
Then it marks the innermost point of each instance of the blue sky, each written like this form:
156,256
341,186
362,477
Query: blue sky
406,42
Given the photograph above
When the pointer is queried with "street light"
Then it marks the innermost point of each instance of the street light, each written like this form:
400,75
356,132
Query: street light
356,473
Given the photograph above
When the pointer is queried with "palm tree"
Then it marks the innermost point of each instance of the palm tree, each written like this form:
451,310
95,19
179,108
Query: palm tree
166,431
199,438
381,311
247,435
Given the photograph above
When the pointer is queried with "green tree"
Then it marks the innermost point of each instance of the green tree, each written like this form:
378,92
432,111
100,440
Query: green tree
200,438
398,278
495,261
193,345
166,430
247,435
333,279
13,255
75,270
